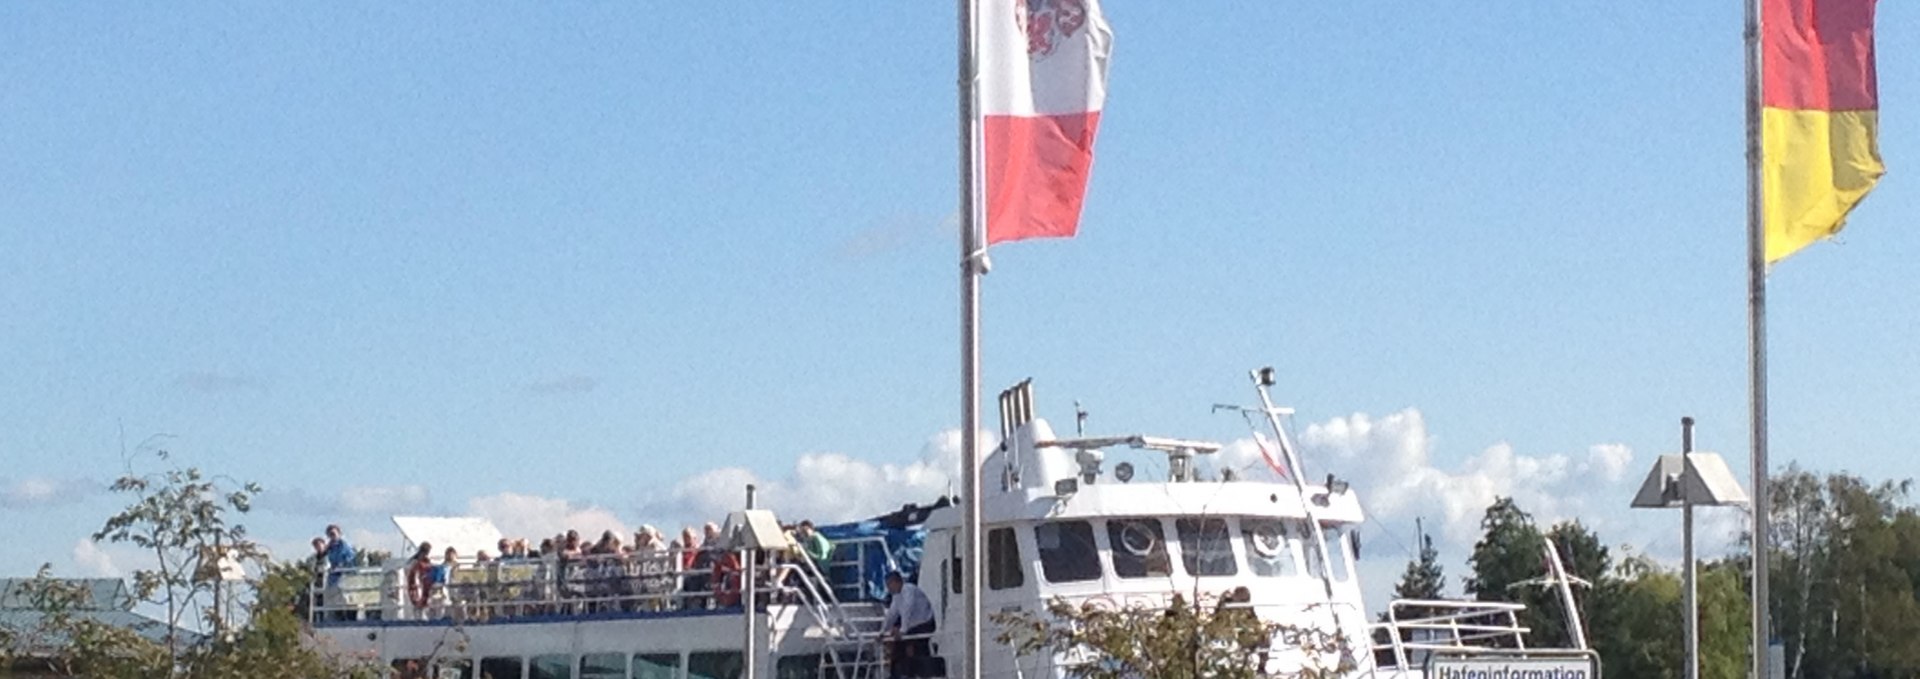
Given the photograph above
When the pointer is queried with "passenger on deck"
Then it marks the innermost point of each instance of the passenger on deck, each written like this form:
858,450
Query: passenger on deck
653,563
816,546
450,595
420,578
695,563
908,623
339,554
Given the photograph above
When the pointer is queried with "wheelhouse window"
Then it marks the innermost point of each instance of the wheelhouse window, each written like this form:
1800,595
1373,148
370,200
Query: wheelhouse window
1270,546
1139,548
505,667
656,666
1338,566
1067,551
1003,560
603,666
550,667
715,665
1206,548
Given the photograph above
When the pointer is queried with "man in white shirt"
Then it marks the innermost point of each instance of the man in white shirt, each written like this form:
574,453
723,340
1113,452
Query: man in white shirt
909,614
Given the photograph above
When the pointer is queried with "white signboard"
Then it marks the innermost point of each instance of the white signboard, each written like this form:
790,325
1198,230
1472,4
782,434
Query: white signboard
1514,667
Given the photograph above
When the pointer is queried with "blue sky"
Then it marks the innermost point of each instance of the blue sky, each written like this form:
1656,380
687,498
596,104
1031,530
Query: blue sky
582,252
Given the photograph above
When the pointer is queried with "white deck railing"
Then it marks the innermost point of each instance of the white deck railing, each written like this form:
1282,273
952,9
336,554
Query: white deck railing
1415,629
590,584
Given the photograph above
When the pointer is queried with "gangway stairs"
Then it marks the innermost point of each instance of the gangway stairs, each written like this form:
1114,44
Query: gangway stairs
852,628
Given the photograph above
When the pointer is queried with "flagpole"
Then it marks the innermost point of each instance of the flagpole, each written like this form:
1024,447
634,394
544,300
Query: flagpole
973,556
1757,343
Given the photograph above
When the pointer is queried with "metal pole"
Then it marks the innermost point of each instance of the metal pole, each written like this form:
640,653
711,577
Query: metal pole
751,656
1757,341
1689,572
1299,487
974,555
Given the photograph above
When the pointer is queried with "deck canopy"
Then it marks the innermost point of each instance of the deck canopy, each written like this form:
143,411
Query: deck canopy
468,534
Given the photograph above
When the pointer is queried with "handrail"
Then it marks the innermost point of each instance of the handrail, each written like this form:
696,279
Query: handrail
588,584
1450,626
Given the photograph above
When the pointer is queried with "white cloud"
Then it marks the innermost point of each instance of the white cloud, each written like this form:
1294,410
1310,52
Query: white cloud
1390,460
39,491
821,486
93,561
535,517
1611,460
382,499
350,501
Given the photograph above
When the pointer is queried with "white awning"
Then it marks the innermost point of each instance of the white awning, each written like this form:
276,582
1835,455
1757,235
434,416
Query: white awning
468,534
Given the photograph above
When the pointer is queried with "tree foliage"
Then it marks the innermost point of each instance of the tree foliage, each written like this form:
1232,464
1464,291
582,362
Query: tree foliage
184,521
1845,569
180,517
1180,641
1423,578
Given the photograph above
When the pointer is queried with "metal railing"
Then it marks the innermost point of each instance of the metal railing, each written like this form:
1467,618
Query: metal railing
518,588
1417,628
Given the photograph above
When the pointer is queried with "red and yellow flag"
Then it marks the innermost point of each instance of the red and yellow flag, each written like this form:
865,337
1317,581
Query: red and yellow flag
1819,118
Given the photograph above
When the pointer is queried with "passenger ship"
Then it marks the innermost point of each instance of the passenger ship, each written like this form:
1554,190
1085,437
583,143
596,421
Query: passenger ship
1117,521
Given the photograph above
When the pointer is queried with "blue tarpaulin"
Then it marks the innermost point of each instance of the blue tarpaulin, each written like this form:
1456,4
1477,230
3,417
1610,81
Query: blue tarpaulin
904,545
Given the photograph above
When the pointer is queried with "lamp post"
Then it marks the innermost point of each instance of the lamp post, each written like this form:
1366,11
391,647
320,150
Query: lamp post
1689,480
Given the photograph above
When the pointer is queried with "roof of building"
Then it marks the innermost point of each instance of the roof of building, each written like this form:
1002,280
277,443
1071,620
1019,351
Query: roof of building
105,600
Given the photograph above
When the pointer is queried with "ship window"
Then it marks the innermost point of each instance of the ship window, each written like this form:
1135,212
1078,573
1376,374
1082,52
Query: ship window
501,668
656,666
550,667
1139,548
1067,552
715,665
603,666
1270,546
797,667
409,668
1338,568
453,669
1206,548
1003,560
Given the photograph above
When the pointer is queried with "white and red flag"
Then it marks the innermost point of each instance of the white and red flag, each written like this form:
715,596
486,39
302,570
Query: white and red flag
1043,79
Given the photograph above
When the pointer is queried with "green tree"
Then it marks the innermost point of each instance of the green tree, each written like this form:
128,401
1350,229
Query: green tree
180,518
1423,578
1843,581
1726,623
67,643
1180,641
274,643
183,520
1508,552
1585,559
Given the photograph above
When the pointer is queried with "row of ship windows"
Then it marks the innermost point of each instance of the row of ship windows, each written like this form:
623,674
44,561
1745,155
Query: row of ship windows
1070,551
695,665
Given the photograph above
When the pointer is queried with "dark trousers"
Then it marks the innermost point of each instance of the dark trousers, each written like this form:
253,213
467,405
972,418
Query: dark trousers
911,657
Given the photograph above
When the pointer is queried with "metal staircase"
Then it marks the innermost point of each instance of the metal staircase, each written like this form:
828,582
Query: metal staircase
852,629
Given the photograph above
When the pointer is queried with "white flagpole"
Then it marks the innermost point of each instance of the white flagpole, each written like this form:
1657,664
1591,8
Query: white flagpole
973,556
1757,341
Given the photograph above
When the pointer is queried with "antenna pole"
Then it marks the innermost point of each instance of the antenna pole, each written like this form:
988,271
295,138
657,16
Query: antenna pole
1299,482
